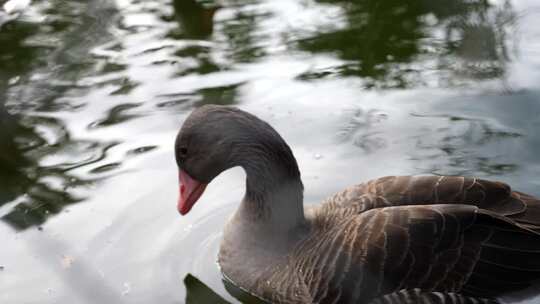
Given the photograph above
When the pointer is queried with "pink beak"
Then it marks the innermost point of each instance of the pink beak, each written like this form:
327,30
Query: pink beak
190,191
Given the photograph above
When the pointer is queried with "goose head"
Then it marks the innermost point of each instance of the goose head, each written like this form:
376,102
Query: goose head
215,138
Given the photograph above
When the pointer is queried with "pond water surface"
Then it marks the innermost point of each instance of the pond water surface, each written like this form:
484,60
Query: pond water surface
92,94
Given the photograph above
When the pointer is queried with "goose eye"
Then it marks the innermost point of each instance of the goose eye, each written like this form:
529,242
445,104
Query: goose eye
183,152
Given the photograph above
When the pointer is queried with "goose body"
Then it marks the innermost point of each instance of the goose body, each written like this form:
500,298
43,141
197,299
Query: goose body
396,239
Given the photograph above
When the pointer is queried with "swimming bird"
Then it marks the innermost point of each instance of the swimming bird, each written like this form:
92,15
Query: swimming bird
395,239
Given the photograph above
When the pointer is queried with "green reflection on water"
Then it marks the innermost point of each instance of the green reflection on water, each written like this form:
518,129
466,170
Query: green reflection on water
195,18
390,43
32,190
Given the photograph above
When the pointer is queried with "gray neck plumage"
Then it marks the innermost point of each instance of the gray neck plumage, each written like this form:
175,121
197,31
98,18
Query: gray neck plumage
274,190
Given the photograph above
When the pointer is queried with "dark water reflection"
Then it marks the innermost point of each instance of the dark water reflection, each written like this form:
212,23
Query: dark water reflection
396,44
196,18
92,94
198,292
37,189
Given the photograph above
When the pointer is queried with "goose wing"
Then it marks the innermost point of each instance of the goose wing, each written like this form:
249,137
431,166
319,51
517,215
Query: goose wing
447,248
415,296
388,191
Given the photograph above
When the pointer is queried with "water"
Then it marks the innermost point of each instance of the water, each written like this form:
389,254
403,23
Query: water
92,94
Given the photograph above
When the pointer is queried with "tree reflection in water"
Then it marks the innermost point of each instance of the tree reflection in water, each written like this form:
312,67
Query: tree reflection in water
397,44
38,154
195,17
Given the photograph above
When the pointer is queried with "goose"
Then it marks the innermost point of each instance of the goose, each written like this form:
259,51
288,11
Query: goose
395,239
